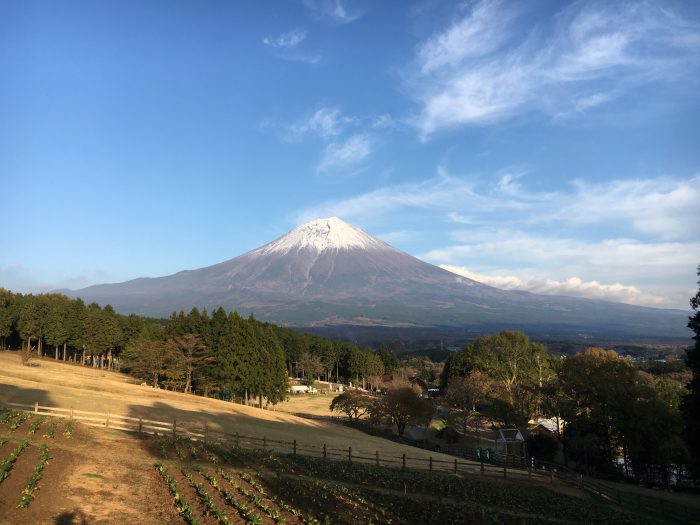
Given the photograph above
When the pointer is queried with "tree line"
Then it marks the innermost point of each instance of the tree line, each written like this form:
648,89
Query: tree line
604,407
222,354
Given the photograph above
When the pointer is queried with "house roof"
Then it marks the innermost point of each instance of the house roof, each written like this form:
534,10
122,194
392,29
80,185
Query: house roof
509,435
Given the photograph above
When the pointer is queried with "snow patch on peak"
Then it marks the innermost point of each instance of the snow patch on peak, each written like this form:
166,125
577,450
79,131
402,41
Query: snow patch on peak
324,234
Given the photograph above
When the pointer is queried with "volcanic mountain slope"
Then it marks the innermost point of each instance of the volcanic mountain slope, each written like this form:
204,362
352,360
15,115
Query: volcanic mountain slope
329,272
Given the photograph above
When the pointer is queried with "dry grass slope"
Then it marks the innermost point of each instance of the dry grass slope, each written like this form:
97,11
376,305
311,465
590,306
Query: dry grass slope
64,385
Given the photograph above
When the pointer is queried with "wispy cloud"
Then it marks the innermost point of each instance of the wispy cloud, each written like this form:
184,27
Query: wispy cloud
481,69
287,46
346,154
326,123
336,11
345,143
287,40
645,229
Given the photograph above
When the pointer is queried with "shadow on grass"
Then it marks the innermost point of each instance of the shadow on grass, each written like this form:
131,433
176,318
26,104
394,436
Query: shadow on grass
71,518
26,396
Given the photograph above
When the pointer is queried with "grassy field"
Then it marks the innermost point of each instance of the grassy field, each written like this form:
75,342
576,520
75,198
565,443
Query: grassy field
57,384
314,404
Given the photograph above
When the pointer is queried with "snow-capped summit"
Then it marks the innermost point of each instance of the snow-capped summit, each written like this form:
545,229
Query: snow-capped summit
324,234
329,273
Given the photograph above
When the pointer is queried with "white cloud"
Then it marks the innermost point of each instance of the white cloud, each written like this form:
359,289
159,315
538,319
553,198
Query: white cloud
325,123
663,207
573,286
334,10
471,74
480,32
287,46
346,154
290,39
645,235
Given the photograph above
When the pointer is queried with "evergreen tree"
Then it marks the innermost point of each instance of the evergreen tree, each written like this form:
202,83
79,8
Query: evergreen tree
219,319
76,327
389,360
57,331
8,316
277,381
28,322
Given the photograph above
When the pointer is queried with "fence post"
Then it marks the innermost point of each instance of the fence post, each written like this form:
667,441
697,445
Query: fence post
324,451
430,463
174,428
206,431
140,424
349,454
71,412
377,454
403,462
295,447
551,477
36,407
237,440
455,466
264,442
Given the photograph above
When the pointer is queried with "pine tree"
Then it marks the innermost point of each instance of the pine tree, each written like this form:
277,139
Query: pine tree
8,316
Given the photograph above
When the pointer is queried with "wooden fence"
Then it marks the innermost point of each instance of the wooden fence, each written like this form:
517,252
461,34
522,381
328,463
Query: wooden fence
176,428
638,502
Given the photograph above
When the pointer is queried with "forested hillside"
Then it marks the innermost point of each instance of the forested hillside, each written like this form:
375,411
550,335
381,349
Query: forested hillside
220,354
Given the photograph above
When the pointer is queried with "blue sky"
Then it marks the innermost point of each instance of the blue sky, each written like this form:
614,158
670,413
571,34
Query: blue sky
547,146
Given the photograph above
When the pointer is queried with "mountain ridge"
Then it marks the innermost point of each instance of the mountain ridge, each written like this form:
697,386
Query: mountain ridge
328,272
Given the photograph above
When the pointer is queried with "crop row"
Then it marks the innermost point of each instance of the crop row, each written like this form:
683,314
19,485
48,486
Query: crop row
19,419
360,508
6,415
477,494
183,507
28,492
6,464
246,512
68,432
36,424
484,492
51,430
449,498
206,499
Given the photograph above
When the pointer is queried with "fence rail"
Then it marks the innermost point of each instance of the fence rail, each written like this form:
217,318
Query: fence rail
469,462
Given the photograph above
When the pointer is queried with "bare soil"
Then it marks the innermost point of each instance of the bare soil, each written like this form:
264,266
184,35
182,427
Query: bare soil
89,479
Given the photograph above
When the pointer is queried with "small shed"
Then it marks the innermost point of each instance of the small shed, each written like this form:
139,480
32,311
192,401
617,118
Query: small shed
510,441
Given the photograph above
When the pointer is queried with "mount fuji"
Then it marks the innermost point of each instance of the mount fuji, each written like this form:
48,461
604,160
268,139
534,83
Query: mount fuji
328,273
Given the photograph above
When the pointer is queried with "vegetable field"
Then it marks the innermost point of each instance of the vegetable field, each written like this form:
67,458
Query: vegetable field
225,484
55,470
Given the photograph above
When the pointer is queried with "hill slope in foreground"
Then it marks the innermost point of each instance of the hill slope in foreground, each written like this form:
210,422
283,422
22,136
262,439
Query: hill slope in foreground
329,273
103,476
